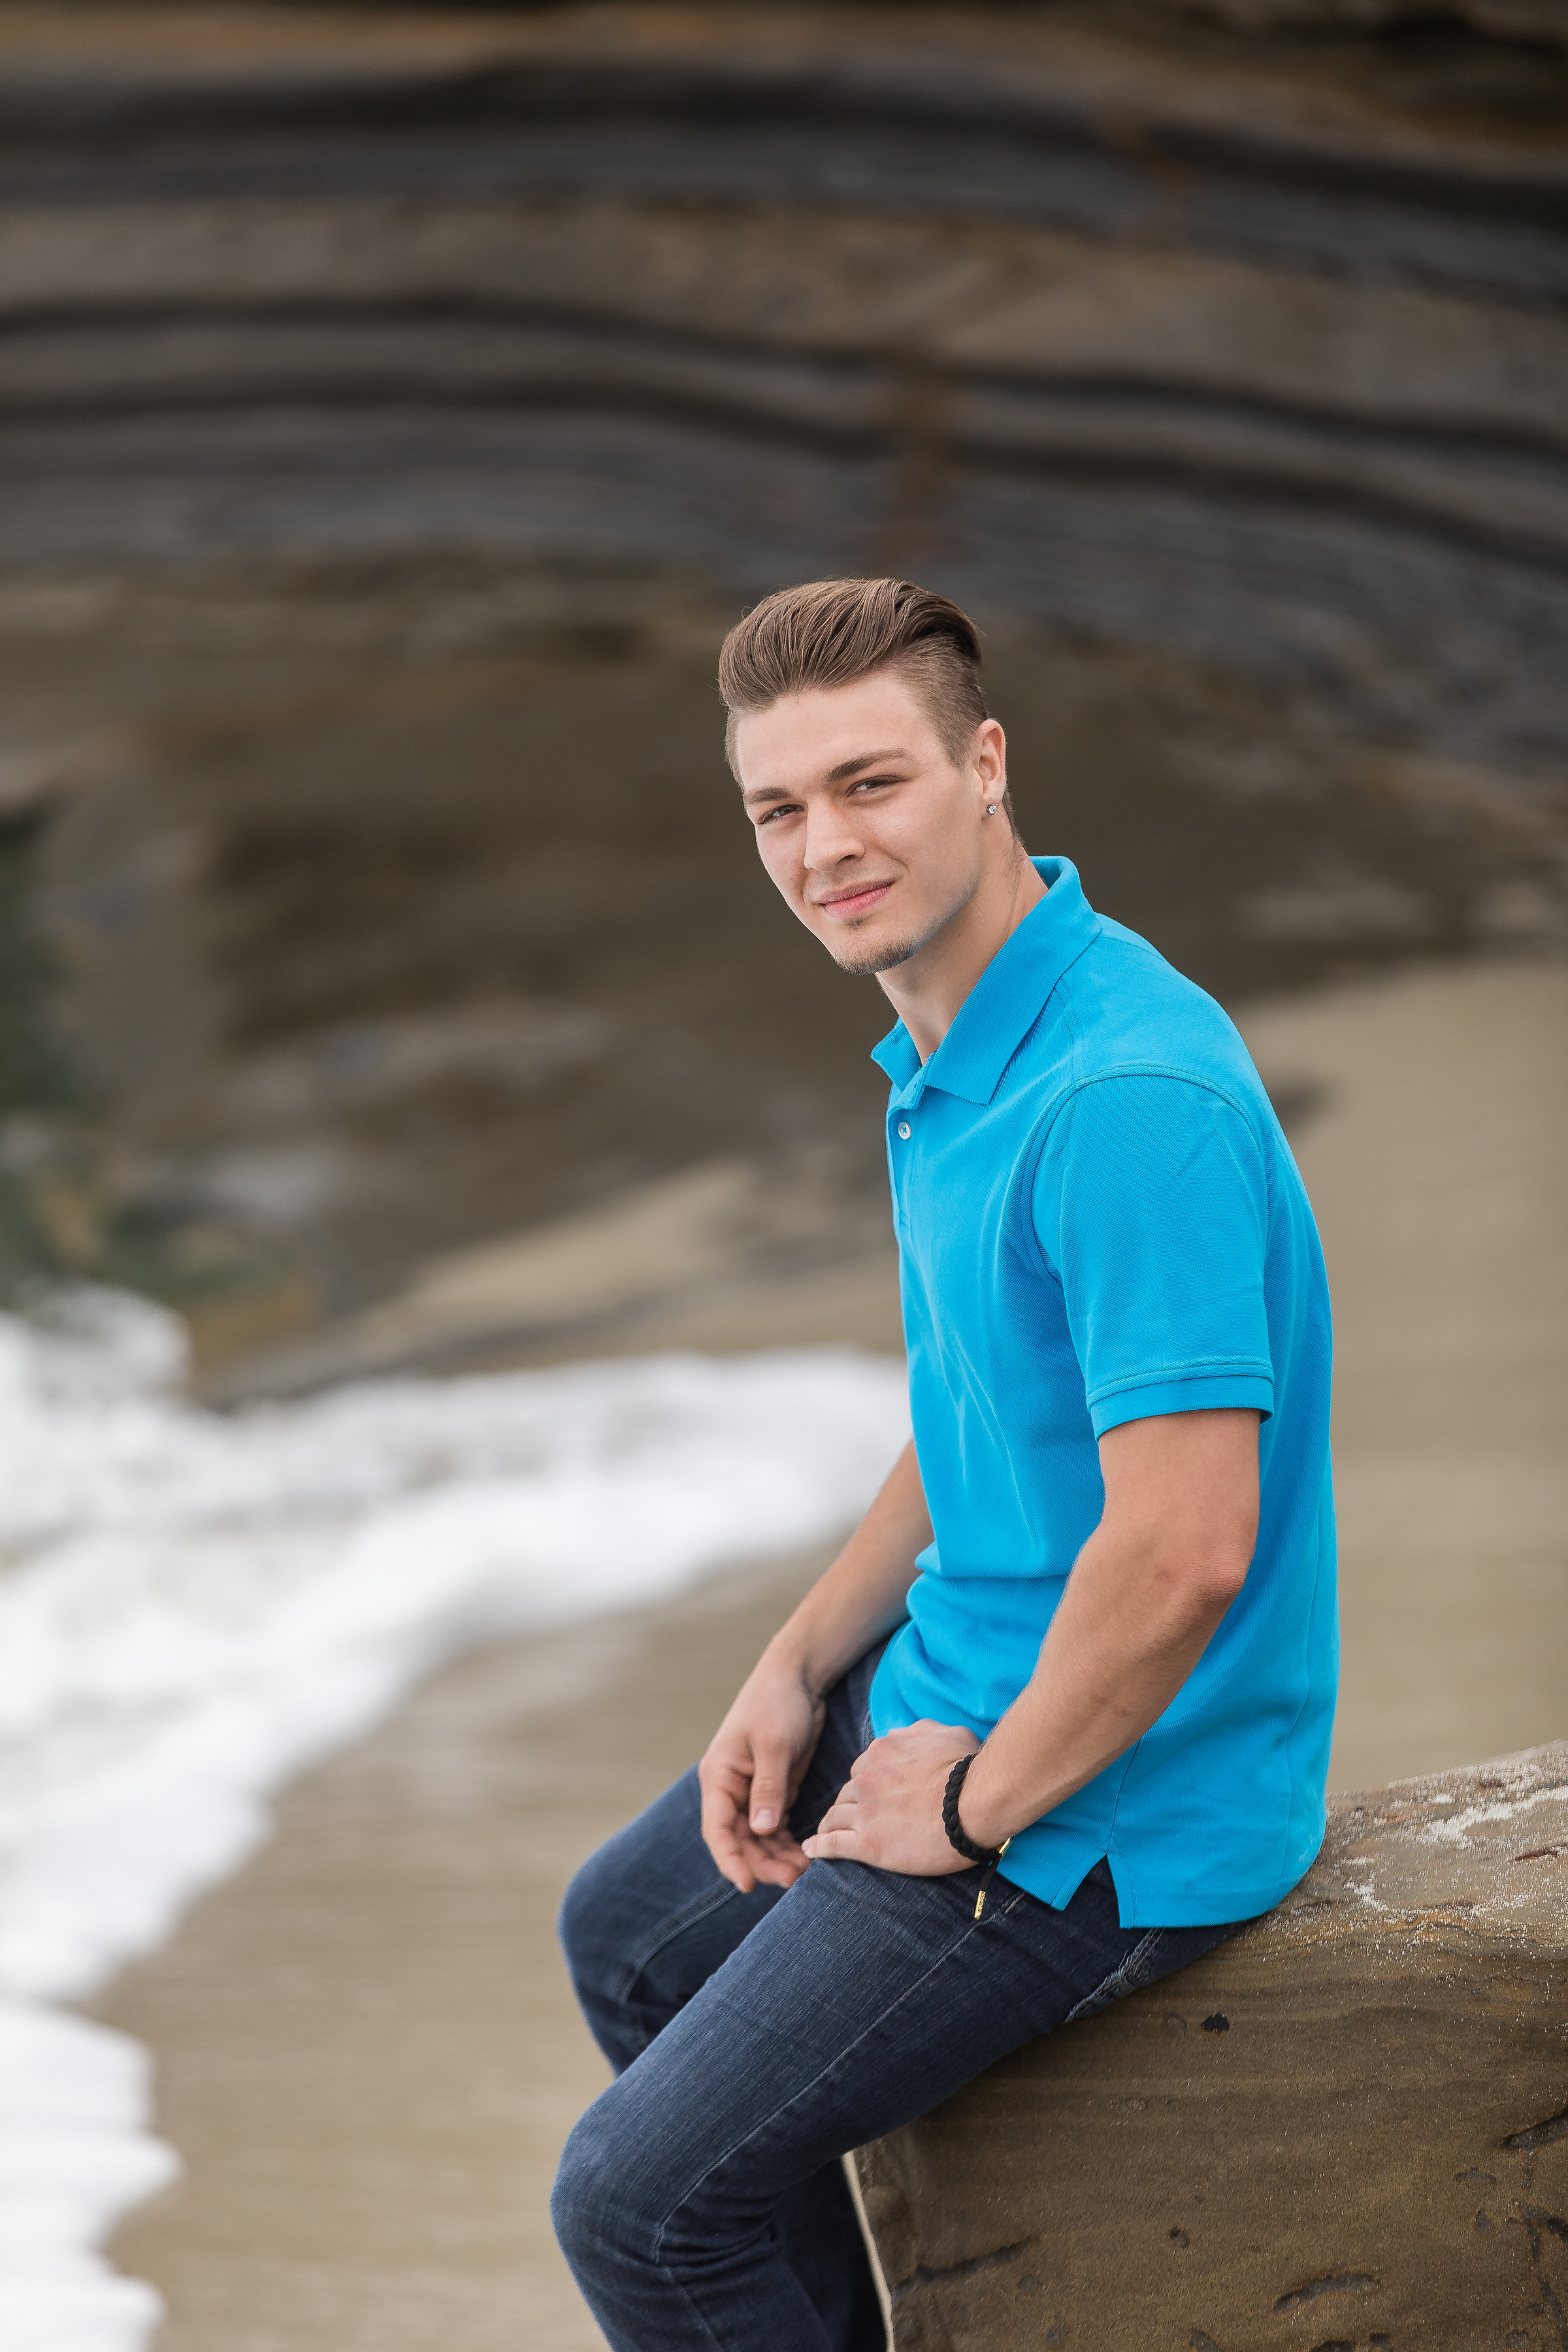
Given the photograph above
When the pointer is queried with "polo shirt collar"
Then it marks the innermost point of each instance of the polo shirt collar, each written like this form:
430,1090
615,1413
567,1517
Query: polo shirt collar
1007,999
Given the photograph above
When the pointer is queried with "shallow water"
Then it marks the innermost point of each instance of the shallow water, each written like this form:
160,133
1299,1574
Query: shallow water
197,1607
384,459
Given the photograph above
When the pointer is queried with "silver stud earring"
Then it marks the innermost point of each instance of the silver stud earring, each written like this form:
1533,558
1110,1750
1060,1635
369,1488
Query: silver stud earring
991,809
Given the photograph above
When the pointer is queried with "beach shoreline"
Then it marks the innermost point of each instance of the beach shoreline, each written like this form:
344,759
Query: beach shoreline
366,2052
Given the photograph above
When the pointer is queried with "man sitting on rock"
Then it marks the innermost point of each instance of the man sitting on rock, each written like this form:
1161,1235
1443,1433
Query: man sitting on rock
1056,1720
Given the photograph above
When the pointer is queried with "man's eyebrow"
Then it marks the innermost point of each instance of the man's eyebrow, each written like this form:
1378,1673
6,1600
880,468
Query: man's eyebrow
864,759
845,769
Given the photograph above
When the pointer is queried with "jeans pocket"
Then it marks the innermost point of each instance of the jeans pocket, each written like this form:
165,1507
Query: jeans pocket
1141,1967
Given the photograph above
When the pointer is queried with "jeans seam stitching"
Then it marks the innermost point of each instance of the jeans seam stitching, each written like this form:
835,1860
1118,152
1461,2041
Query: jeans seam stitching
696,1911
1121,1976
707,2335
762,2125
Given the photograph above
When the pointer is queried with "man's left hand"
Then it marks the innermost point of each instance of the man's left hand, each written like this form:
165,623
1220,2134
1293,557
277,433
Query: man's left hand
888,1812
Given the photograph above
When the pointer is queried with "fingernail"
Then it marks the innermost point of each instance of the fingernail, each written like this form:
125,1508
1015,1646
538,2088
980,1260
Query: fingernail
764,1819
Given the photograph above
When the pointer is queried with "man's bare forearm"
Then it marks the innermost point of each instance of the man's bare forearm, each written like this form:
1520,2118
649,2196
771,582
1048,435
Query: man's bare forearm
1121,1644
1147,1593
863,1594
754,1765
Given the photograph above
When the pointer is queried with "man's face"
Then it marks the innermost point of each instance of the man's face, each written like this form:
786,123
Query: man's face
871,833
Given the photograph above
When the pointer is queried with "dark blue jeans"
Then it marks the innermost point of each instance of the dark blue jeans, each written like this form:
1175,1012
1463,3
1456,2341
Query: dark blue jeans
755,2038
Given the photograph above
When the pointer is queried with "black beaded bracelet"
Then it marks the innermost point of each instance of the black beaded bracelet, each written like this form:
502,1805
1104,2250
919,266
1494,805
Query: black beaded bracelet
958,1837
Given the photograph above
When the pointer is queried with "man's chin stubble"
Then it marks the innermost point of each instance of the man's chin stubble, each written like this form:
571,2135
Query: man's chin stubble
864,961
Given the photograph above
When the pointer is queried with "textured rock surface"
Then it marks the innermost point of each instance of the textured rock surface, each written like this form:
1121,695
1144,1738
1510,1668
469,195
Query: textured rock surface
1248,343
1347,2129
381,389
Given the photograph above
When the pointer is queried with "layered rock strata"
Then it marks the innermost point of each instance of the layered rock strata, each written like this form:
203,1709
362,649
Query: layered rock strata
1346,2129
381,392
1251,347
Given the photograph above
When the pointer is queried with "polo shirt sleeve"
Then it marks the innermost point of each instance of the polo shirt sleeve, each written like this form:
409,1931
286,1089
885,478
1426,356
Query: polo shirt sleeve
1151,1208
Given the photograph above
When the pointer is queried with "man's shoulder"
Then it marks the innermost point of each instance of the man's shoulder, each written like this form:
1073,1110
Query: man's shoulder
1131,1013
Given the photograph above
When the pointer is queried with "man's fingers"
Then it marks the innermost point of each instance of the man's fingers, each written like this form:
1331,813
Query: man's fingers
839,1816
723,1827
770,1788
743,1858
780,1869
724,1808
731,1856
780,1847
834,1845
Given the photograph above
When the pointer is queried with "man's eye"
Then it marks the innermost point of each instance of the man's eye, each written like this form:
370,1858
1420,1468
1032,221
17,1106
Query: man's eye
787,809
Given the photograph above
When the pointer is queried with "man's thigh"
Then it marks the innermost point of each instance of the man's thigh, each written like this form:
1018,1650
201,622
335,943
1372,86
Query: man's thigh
649,1916
856,2003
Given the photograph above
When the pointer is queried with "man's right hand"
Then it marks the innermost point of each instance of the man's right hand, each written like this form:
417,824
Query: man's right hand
752,1774
756,1760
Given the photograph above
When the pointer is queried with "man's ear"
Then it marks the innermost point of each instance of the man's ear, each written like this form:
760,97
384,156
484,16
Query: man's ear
989,759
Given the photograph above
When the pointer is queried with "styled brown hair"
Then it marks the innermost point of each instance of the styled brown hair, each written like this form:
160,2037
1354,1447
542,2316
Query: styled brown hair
831,631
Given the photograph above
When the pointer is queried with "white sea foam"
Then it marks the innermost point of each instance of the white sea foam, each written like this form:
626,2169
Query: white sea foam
193,1606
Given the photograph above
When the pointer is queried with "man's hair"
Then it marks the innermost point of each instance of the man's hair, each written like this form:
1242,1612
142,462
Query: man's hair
831,631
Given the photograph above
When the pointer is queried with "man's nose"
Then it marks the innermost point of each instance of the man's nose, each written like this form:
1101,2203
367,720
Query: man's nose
830,838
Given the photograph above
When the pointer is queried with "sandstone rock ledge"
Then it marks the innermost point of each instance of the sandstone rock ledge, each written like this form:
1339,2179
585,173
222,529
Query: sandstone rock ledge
1347,2129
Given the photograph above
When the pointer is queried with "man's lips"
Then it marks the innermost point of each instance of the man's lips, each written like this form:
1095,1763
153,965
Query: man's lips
855,902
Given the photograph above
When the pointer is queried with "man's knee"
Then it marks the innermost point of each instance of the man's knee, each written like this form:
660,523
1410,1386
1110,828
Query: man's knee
578,2200
623,1893
593,2216
599,1932
585,1926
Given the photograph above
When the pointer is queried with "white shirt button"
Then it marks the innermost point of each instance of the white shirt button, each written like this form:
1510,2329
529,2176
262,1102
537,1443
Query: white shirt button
903,1130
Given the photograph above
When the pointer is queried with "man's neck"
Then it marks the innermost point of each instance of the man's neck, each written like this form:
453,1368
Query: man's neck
928,990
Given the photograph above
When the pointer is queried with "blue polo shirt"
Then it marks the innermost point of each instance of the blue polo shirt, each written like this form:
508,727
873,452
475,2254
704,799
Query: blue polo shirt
1099,1219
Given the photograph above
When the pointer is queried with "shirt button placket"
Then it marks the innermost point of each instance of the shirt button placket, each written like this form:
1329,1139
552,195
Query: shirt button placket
903,1130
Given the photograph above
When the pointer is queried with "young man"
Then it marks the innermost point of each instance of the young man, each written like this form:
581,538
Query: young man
1056,1720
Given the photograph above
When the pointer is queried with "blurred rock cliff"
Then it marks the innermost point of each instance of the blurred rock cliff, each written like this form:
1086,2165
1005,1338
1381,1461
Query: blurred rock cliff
396,406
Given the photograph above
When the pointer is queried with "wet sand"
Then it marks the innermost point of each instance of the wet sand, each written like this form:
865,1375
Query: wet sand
365,2052
1437,1164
